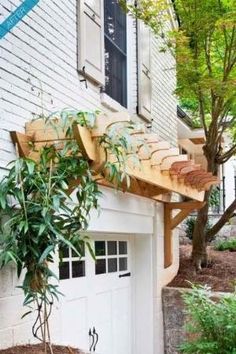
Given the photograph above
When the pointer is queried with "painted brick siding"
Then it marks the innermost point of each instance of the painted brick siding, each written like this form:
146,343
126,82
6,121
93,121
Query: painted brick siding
163,98
40,53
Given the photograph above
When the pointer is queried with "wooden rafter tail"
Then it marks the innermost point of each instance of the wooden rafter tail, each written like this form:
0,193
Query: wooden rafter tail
143,138
178,165
190,175
168,161
158,156
23,143
147,150
185,170
207,178
208,182
103,121
151,138
197,179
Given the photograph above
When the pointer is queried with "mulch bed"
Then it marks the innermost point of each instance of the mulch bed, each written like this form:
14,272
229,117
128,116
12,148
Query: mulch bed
39,349
220,275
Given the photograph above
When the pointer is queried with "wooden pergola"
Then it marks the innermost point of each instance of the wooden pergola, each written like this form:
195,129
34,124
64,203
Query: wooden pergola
161,169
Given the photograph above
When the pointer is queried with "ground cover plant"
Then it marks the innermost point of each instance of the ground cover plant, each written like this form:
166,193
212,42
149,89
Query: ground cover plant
229,245
211,322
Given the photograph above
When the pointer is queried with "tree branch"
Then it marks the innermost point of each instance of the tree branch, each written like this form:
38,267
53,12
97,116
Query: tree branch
227,155
221,222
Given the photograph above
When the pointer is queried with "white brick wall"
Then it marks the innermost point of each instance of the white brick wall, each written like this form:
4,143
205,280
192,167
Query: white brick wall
41,52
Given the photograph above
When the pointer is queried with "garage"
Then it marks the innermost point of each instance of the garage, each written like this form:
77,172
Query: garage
96,313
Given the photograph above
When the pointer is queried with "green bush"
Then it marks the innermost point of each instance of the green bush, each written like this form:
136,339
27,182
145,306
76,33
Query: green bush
212,324
189,226
229,245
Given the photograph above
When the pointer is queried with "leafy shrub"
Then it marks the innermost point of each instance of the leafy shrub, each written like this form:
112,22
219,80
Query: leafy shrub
229,245
214,199
212,326
190,224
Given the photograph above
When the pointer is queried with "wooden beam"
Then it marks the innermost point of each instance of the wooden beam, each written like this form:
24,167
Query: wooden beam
23,143
192,204
168,240
171,223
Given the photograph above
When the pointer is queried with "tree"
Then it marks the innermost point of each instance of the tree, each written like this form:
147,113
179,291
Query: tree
204,46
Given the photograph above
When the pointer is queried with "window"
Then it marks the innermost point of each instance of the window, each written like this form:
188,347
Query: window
111,256
115,51
71,265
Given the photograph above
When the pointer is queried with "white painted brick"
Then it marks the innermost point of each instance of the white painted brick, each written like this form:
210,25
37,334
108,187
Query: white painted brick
22,334
6,282
6,338
11,310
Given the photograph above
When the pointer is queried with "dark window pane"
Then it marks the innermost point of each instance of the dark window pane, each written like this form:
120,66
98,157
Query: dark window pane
80,249
112,265
100,248
100,267
64,252
78,269
123,264
112,247
115,23
64,270
115,73
122,247
115,51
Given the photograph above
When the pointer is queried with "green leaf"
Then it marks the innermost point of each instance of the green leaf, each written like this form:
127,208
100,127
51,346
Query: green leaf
30,165
26,314
45,253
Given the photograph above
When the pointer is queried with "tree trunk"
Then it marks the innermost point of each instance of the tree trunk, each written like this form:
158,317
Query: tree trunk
199,252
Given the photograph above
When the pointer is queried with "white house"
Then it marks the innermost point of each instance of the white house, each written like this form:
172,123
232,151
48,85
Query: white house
87,54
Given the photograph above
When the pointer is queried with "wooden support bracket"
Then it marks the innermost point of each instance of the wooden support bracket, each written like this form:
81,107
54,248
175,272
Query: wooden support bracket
171,222
22,142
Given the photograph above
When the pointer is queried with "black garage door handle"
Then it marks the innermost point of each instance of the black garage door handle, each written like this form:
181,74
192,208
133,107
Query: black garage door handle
125,275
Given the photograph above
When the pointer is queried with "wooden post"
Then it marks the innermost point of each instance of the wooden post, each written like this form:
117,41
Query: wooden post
171,223
168,248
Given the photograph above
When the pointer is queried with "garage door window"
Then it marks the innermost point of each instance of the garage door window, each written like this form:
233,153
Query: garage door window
71,265
111,256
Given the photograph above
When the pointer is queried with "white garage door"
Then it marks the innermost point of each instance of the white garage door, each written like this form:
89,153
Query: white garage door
96,310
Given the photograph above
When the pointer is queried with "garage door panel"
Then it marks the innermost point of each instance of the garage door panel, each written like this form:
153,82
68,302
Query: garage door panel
104,344
121,300
75,323
102,307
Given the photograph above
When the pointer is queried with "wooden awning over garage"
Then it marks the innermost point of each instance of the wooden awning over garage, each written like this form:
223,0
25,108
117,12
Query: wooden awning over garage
160,171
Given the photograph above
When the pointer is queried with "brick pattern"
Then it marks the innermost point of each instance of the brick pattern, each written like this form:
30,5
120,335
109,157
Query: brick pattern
38,74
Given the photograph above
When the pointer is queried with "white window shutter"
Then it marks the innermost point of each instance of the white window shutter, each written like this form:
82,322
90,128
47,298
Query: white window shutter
144,71
91,39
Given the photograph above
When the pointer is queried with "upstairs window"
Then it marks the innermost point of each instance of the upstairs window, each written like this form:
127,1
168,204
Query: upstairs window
115,51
